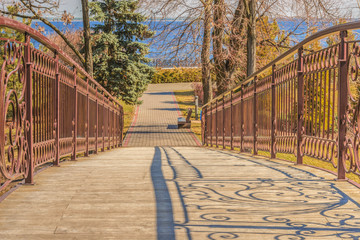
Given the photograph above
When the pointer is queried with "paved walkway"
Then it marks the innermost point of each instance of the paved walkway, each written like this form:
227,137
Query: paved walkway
168,193
155,122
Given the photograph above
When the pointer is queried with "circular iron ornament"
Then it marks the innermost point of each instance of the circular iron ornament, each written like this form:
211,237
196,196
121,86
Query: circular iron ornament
351,159
14,154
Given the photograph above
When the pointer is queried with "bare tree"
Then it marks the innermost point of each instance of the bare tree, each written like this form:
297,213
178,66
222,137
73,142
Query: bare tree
249,15
75,37
236,41
218,40
184,30
87,37
239,28
250,9
205,53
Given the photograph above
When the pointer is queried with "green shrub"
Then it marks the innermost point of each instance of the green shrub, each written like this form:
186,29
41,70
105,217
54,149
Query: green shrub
176,75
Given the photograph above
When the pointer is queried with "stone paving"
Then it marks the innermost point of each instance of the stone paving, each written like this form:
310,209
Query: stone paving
182,193
155,122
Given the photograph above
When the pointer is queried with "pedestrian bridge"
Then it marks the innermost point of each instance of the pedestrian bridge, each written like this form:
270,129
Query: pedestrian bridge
162,183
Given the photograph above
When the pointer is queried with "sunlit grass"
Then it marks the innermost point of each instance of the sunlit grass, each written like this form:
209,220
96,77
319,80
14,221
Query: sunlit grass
185,100
312,162
196,128
306,160
129,112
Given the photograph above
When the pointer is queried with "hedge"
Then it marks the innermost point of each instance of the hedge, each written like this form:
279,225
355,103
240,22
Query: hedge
176,75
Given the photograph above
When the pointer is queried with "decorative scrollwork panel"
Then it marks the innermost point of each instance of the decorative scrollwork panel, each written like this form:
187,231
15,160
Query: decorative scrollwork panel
352,156
14,154
320,103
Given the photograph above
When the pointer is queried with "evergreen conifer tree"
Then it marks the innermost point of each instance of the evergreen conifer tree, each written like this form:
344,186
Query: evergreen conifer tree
118,49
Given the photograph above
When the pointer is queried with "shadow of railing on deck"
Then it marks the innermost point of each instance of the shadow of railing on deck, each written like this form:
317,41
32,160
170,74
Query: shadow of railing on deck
295,204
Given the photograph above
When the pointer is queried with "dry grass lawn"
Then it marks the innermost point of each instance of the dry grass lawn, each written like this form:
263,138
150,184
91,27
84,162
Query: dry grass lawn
185,100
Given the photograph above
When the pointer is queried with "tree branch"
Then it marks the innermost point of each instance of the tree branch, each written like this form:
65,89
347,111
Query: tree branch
52,26
17,15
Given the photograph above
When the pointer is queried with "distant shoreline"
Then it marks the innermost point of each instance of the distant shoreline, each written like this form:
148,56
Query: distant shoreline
182,19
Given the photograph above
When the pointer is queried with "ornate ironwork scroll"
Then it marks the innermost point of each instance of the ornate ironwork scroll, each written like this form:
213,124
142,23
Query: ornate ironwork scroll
352,156
14,154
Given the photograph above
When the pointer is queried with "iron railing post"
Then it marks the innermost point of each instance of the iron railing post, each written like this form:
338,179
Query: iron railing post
216,123
273,115
73,157
108,128
87,127
231,122
28,100
300,103
113,137
211,125
119,129
242,119
111,141
97,122
116,132
57,110
121,126
113,130
204,116
103,138
255,117
103,126
223,122
342,98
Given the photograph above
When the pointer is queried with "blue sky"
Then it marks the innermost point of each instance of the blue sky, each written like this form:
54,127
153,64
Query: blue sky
74,7
71,6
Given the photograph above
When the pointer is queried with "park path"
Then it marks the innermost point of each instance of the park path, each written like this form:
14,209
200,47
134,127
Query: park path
166,191
155,121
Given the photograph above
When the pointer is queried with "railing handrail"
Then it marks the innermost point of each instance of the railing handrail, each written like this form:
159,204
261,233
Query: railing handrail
38,36
316,36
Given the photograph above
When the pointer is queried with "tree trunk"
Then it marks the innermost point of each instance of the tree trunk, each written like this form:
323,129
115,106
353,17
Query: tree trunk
236,40
205,53
251,38
218,41
87,37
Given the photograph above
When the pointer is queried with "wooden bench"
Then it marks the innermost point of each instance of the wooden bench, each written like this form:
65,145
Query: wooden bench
185,123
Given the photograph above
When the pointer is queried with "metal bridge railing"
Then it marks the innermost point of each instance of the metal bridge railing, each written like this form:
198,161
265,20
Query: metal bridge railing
49,107
302,103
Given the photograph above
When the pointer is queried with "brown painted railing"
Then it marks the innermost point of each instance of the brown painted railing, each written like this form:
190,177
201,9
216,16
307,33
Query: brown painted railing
49,107
303,103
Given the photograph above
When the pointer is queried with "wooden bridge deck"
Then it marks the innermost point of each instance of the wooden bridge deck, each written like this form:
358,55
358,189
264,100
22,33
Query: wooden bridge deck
169,193
182,193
